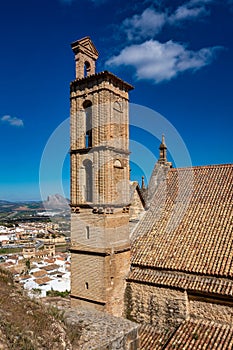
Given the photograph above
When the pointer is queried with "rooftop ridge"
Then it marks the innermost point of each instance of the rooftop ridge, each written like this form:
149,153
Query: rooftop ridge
209,166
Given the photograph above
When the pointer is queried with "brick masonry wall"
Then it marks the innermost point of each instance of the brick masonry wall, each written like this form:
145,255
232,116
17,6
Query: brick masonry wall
100,243
100,259
117,269
88,277
99,281
105,230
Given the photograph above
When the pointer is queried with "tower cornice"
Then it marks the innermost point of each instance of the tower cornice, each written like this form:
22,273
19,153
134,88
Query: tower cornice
98,78
99,148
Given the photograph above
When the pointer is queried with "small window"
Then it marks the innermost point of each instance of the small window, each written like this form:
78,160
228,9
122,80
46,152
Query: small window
87,232
86,285
88,180
87,105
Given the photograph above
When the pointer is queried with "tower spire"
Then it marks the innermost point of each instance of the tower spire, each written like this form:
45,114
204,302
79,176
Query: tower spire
163,151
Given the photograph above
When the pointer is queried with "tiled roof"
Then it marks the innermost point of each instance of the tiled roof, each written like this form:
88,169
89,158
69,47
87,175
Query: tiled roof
39,273
42,280
49,261
188,226
192,334
51,267
189,282
150,338
24,277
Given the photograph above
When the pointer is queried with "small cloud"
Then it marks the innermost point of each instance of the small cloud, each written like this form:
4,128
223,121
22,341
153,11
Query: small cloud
190,10
13,121
186,13
150,22
159,62
145,25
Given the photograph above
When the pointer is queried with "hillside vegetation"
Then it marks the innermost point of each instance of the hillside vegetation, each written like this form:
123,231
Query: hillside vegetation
26,324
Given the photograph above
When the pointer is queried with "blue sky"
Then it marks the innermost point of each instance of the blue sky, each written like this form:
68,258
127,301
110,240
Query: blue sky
177,54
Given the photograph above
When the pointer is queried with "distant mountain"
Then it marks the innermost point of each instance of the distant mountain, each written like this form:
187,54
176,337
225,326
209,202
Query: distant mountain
2,202
56,201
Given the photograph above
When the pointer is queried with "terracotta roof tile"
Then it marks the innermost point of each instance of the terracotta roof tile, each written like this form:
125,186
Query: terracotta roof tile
189,225
51,267
192,334
39,273
189,282
202,334
150,338
42,280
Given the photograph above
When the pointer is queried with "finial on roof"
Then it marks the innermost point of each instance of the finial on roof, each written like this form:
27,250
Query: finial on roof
163,145
143,187
163,151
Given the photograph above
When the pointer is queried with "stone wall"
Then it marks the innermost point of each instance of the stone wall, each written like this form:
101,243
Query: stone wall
136,207
211,309
97,330
166,308
102,331
161,307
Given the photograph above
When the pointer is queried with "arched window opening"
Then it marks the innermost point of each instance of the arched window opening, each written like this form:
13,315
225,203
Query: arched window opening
87,68
117,164
117,106
86,285
88,130
88,180
118,126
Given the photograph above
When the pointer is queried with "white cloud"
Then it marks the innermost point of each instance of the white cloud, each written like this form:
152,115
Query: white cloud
162,61
150,22
185,13
147,24
13,121
190,10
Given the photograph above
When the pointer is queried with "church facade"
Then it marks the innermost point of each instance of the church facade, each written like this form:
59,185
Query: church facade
161,256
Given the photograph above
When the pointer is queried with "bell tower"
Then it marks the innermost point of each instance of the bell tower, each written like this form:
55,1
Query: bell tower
99,154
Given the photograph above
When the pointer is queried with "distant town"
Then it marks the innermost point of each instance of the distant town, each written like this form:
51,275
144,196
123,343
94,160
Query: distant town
34,244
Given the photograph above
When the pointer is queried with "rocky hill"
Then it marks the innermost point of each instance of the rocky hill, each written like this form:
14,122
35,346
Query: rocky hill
30,324
56,201
27,324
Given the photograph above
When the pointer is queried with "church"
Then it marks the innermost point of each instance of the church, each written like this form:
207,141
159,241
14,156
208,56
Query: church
160,256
